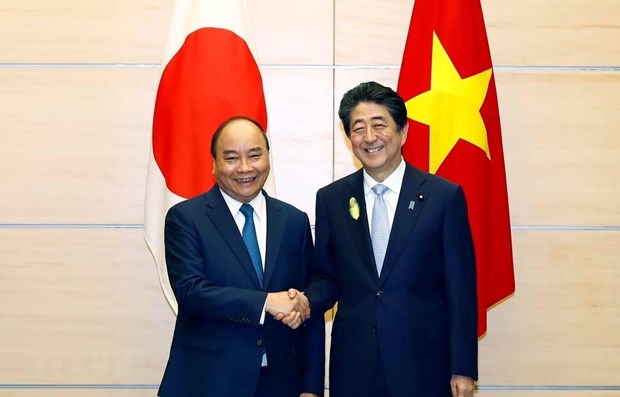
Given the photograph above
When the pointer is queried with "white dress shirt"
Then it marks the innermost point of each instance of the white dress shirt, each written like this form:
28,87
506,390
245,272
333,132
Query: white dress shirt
394,183
260,219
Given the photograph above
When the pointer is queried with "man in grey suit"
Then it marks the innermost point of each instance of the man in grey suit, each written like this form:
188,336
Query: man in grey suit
236,260
393,246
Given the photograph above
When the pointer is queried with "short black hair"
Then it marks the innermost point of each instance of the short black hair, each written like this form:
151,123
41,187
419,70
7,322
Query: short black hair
218,132
372,92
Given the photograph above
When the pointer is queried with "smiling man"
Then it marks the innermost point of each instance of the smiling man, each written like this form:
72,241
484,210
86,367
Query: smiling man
236,259
393,246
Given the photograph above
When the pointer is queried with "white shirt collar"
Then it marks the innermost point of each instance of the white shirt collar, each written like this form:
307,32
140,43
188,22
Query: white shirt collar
258,203
394,181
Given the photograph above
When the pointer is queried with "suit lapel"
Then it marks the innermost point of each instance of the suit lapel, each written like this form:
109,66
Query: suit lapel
275,234
220,215
410,204
359,227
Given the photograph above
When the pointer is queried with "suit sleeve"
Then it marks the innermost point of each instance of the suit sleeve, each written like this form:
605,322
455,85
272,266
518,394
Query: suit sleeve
460,273
313,331
323,290
193,291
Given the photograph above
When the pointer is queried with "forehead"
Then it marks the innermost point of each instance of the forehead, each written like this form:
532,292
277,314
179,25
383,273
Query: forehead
368,111
239,135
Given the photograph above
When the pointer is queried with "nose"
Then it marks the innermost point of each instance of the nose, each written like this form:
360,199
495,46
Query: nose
369,135
244,165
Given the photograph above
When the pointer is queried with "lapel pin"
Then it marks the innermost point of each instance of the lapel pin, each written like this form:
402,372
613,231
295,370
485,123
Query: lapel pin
411,204
420,197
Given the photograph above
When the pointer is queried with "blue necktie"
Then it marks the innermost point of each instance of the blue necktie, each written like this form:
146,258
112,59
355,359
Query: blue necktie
380,228
249,237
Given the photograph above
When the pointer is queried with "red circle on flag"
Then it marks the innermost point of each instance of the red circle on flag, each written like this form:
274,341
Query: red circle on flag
212,78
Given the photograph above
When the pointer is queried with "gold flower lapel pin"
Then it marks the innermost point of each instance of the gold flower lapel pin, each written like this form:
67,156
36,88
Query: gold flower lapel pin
354,208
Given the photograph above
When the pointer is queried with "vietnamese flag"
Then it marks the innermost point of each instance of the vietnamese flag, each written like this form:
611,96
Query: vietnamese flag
448,84
209,75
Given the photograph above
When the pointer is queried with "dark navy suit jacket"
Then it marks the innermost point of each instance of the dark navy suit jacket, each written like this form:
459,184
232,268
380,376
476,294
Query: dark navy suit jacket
218,343
418,320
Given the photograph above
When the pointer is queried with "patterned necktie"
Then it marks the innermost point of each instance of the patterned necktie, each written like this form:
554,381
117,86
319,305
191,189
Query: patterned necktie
380,228
251,242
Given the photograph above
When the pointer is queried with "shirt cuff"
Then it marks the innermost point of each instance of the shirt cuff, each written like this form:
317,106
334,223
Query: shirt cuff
262,316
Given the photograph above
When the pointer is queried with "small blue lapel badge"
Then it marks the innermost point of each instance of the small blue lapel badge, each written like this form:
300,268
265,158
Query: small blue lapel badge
411,204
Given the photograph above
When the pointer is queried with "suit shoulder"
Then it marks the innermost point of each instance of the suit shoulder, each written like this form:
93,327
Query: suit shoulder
190,204
432,180
340,184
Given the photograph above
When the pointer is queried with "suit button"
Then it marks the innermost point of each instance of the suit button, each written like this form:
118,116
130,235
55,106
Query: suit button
373,330
259,342
379,294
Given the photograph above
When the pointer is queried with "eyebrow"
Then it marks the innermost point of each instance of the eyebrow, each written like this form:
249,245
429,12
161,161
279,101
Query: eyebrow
374,118
252,150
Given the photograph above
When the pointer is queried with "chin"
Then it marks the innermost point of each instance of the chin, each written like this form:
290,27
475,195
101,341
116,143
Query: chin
248,195
375,164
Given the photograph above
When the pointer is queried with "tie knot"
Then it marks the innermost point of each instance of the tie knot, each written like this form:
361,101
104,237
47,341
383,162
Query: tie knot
247,211
379,189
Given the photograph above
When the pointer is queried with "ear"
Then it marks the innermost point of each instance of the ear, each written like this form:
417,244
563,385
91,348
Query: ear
213,167
404,132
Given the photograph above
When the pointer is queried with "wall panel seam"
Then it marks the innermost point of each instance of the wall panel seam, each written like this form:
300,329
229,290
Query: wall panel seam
601,228
506,68
548,387
77,386
71,226
156,386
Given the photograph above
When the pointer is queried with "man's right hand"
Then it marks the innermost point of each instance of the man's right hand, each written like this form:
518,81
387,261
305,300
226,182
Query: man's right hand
291,307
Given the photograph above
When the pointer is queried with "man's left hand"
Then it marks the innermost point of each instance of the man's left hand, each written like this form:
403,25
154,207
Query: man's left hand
462,386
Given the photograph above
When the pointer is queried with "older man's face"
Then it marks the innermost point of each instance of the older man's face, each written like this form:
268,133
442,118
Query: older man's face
241,166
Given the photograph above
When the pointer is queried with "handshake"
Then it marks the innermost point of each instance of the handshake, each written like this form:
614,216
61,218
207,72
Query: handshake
291,307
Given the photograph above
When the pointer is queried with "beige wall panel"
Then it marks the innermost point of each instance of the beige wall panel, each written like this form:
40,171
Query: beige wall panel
81,306
525,32
344,161
299,103
370,32
74,150
561,146
553,32
300,32
78,393
561,327
366,32
135,32
77,31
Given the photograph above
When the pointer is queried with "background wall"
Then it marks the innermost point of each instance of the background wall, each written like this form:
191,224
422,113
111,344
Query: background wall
81,311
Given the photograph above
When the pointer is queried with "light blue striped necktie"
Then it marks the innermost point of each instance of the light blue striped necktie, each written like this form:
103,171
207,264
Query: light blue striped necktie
380,228
251,242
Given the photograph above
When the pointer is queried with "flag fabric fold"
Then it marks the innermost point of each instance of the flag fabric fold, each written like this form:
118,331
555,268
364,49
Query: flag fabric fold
209,75
447,81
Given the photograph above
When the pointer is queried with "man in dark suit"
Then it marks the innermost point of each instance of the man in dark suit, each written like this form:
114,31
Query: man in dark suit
235,270
394,248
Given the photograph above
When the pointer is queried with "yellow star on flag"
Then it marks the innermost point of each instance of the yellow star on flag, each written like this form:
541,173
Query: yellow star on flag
451,108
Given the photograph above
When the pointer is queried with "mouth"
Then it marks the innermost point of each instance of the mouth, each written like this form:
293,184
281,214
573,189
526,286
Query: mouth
245,181
374,149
